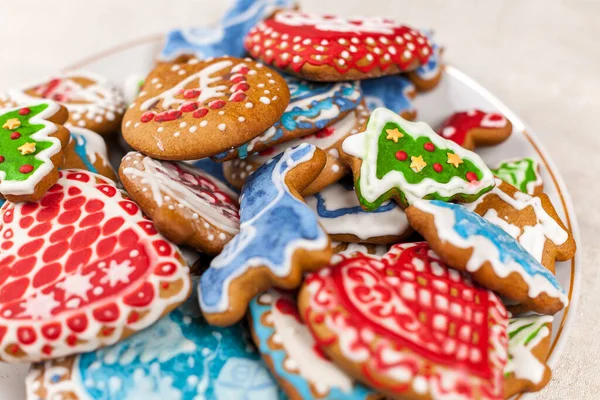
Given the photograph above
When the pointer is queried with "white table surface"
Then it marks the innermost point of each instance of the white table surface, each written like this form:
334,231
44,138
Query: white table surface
541,57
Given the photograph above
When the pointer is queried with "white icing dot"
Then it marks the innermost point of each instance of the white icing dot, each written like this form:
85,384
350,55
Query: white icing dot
222,236
249,105
134,125
211,237
265,100
154,80
241,119
160,129
222,127
183,124
193,129
203,124
261,85
127,124
221,112
98,290
267,91
177,134
335,168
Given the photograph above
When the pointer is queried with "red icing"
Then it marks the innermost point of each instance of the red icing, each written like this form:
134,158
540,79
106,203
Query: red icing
437,167
401,155
287,306
293,39
93,235
26,168
458,125
429,146
471,176
410,303
24,111
15,135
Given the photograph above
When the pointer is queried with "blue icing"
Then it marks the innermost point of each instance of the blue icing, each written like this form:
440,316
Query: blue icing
215,169
278,357
225,39
468,224
273,223
308,100
433,64
180,357
2,201
80,149
391,92
324,212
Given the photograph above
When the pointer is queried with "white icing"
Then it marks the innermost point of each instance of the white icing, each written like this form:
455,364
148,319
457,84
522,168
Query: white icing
337,24
522,363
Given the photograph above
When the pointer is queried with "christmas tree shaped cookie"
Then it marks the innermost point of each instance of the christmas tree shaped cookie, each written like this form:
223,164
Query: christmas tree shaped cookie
522,173
407,161
31,143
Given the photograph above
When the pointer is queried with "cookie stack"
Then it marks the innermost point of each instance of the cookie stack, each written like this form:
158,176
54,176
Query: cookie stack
285,229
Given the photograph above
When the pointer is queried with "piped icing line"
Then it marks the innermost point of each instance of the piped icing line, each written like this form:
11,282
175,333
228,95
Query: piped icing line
340,213
89,146
283,338
85,289
312,106
420,314
374,185
267,237
522,173
345,250
204,195
524,335
532,238
15,181
98,102
465,229
364,44
394,92
227,37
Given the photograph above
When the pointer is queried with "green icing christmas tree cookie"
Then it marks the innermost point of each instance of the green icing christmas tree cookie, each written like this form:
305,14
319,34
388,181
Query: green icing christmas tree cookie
524,174
408,161
31,142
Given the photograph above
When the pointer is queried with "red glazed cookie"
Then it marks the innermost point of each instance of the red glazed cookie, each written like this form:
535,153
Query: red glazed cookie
81,269
187,205
332,48
475,128
32,139
327,139
196,110
408,326
93,103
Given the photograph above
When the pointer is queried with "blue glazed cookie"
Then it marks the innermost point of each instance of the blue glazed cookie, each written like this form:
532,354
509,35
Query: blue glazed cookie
395,92
180,357
227,38
279,237
291,353
313,106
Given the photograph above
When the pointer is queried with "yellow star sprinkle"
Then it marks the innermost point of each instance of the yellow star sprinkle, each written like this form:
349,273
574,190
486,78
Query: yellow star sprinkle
454,159
393,134
417,163
27,148
12,123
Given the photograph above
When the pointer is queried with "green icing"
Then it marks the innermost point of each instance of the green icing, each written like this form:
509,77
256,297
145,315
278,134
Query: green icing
519,173
13,159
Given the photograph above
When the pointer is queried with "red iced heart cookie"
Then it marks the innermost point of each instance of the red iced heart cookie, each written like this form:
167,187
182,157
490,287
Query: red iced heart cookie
409,326
81,269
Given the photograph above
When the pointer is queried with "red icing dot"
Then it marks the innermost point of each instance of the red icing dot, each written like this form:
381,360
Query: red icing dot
128,238
76,176
26,222
25,169
47,349
429,146
74,203
140,297
55,251
201,112
78,258
51,330
15,135
238,96
189,106
85,238
71,340
78,323
105,247
14,290
147,116
26,335
437,167
23,266
1,159
165,269
401,155
191,93
94,205
162,247
471,176
62,234
46,275
112,225
24,111
107,313
31,248
216,104
40,229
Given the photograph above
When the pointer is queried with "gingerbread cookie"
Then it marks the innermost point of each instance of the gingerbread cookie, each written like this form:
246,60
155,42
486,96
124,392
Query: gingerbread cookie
327,139
533,221
226,38
395,92
407,161
81,269
292,354
409,326
87,150
93,103
494,258
528,344
343,250
475,128
195,110
313,106
342,217
428,75
186,204
332,48
32,149
215,169
522,173
179,357
279,237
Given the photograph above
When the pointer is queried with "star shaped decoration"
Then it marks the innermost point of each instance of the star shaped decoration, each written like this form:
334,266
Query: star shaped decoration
417,163
454,159
12,123
27,148
393,134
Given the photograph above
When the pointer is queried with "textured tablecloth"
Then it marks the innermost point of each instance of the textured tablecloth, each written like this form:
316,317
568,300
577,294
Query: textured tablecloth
541,57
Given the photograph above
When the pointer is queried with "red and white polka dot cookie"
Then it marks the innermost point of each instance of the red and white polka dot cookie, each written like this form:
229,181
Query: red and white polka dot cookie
332,48
81,269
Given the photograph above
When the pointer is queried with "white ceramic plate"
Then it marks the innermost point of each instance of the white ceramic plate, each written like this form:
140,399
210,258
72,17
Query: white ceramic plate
456,92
